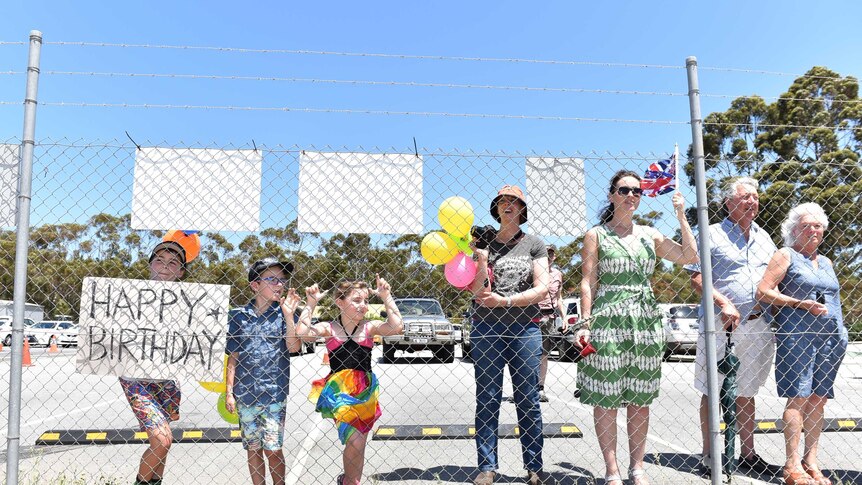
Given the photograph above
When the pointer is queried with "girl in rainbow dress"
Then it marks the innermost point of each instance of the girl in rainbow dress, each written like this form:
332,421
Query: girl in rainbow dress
349,393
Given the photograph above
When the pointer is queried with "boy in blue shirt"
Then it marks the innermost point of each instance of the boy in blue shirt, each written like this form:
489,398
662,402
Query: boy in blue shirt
260,337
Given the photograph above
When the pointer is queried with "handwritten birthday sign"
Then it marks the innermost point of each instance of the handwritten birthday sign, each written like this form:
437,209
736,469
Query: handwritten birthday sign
152,329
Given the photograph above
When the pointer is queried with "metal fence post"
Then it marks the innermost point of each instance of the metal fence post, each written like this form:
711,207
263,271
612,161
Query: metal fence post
25,172
705,267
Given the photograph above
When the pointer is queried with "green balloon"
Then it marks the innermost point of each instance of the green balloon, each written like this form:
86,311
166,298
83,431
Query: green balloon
224,413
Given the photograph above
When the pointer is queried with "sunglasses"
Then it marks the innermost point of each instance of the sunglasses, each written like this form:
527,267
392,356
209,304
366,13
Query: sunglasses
637,191
274,281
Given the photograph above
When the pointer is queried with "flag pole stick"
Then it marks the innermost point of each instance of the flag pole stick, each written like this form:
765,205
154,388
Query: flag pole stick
676,164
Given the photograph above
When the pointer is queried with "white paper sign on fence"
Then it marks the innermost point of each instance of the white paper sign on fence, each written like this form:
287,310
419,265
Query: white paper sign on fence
152,329
360,192
197,188
9,156
556,196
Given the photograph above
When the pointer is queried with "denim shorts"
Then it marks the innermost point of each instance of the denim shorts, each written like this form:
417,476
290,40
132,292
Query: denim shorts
806,363
262,426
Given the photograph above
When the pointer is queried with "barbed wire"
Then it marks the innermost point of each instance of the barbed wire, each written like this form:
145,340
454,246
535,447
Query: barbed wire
422,151
348,111
422,57
423,84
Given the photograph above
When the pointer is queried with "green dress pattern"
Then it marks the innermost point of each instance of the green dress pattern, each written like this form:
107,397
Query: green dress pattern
627,325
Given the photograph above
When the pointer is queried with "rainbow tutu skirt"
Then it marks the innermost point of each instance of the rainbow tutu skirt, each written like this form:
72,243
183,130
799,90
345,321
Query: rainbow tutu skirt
350,398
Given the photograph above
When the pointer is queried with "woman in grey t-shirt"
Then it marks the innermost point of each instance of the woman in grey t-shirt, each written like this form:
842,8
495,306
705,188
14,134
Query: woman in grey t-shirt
511,280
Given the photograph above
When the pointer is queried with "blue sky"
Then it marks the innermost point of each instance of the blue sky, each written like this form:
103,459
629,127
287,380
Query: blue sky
787,37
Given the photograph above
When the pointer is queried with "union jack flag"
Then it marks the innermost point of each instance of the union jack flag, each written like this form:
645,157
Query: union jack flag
660,177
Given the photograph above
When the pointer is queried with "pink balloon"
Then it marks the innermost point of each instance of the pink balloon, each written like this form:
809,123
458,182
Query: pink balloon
460,271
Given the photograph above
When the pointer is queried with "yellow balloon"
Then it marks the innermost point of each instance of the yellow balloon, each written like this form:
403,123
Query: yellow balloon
438,248
218,387
456,216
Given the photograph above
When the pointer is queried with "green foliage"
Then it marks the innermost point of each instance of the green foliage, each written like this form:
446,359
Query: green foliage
803,147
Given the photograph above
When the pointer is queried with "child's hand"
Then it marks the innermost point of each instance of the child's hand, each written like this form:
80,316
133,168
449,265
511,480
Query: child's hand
289,302
383,288
313,295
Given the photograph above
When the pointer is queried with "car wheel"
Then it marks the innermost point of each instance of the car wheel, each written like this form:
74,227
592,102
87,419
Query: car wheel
7,341
388,353
445,354
668,352
52,341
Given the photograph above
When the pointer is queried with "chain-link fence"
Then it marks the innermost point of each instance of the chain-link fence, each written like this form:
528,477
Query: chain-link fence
479,374
81,427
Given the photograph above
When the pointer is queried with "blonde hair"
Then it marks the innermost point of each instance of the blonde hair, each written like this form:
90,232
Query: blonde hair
346,287
790,225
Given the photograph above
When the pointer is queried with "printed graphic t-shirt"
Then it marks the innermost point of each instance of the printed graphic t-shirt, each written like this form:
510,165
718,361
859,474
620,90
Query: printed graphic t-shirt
511,267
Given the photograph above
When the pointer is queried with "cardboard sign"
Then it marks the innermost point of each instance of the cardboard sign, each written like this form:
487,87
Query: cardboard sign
196,188
152,329
366,193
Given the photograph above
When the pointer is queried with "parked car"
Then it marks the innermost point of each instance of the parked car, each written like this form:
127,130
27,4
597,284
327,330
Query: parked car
6,330
69,337
48,332
426,327
680,327
564,342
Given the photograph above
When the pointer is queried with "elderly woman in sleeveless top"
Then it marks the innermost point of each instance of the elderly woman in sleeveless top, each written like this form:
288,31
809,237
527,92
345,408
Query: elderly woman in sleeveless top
619,257
811,337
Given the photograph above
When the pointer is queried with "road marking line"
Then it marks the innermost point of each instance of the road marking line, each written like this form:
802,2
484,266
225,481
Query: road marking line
30,424
298,467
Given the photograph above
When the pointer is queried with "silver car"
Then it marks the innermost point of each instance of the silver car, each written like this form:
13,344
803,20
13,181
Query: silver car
680,327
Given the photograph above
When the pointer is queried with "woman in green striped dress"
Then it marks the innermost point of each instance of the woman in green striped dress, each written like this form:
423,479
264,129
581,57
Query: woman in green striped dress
622,320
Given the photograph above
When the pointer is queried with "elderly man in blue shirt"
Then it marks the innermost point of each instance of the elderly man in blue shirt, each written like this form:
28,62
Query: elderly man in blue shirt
740,253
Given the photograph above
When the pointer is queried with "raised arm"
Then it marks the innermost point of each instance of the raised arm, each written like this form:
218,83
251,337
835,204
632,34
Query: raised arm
288,303
304,329
589,282
667,248
394,324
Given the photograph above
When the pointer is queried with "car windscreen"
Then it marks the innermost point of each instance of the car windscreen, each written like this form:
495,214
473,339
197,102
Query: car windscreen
66,325
414,308
44,325
684,311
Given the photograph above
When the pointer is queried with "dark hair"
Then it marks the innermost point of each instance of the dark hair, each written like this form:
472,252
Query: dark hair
608,212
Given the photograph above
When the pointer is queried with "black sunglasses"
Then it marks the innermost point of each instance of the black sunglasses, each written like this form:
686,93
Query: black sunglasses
630,190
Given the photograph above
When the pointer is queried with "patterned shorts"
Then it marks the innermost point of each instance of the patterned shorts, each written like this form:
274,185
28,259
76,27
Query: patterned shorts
262,426
155,403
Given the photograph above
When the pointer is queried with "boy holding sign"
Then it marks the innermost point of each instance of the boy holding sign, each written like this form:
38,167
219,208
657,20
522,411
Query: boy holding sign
261,336
157,402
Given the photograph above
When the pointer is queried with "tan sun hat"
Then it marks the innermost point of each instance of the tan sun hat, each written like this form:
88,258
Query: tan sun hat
513,191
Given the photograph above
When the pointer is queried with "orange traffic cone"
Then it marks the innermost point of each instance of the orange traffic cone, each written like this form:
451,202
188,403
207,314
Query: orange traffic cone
1,345
26,361
325,358
53,349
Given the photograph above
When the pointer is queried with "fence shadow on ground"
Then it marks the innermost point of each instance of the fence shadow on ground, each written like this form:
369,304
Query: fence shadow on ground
687,463
465,474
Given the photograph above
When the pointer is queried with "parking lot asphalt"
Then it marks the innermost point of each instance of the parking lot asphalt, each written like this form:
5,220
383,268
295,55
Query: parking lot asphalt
415,392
